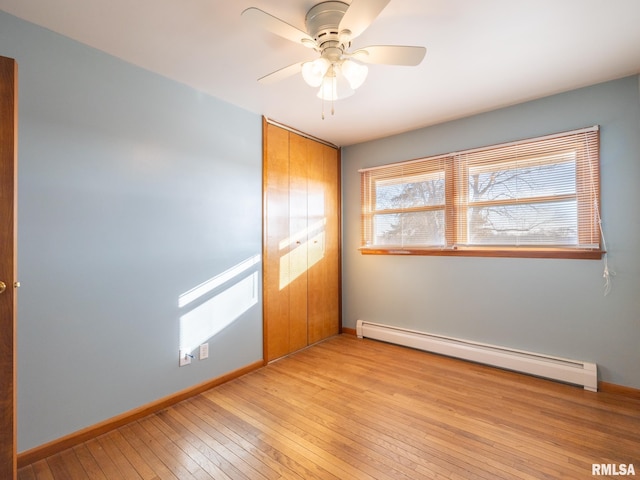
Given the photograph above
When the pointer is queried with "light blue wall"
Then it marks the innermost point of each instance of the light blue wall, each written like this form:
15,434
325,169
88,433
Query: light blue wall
555,307
133,189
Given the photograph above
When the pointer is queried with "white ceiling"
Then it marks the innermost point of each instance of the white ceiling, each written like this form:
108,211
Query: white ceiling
481,54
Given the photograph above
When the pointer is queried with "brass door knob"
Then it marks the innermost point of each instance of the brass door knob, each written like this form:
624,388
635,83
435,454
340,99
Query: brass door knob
3,286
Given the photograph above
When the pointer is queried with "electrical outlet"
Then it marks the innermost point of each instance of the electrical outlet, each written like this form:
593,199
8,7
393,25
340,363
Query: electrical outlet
185,358
204,351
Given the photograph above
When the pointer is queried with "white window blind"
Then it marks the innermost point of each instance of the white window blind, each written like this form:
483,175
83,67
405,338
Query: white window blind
406,204
536,194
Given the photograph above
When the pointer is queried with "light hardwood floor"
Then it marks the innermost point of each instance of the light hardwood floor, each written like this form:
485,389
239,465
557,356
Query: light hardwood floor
359,409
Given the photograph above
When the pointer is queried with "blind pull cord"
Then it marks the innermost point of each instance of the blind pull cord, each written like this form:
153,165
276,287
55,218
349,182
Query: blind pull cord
606,274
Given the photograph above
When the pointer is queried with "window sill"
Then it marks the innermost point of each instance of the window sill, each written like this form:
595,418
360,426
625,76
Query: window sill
517,252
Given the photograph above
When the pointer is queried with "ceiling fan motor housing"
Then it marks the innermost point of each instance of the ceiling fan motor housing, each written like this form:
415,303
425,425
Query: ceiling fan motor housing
322,22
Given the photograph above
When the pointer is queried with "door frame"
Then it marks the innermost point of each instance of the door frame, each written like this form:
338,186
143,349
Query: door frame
8,270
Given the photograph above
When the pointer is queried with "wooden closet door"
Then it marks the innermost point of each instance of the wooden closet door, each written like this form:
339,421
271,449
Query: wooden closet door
298,241
301,241
324,224
276,233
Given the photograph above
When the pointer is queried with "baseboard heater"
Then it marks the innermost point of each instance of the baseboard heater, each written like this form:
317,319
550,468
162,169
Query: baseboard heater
560,369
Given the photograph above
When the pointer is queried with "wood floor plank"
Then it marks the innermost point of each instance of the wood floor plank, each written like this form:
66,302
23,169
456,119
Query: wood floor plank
315,462
203,458
175,460
89,463
27,473
132,435
102,458
250,439
41,470
122,463
226,458
73,465
58,468
350,408
141,466
230,444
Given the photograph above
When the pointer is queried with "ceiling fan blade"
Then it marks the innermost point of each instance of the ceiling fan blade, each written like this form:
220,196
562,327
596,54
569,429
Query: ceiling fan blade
391,55
281,74
275,25
361,14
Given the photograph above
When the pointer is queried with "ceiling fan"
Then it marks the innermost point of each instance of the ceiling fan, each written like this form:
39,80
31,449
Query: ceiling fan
330,28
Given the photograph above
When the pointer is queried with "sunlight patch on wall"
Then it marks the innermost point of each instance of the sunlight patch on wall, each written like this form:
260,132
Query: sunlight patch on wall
215,282
211,312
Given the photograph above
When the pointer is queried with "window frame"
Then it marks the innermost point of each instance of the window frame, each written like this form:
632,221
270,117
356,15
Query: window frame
431,170
456,181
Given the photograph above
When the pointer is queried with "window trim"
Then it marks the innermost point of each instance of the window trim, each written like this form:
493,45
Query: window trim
453,211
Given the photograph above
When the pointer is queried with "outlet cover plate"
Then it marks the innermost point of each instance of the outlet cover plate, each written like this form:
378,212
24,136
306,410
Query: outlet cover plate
204,351
185,358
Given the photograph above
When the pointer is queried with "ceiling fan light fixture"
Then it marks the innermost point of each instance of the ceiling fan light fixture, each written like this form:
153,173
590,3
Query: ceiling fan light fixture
334,87
314,72
354,72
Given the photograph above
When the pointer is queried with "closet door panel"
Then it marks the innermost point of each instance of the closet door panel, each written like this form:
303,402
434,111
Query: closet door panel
331,323
276,231
318,216
323,258
298,247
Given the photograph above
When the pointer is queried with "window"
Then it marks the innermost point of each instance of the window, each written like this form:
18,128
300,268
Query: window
536,197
